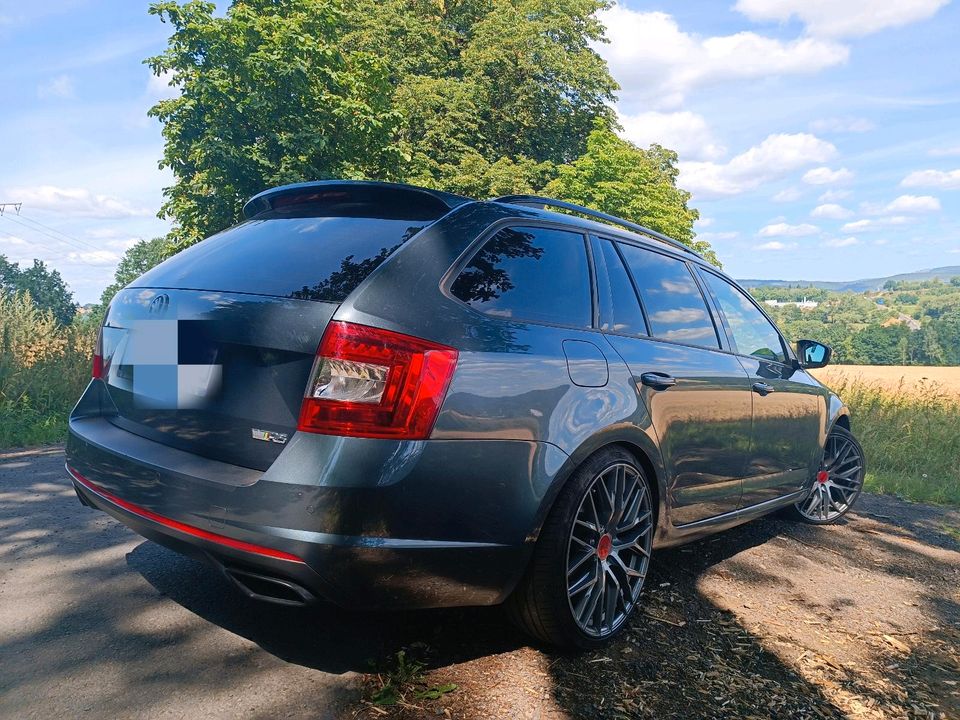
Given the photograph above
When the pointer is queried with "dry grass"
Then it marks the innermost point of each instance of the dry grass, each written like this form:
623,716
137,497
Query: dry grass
909,378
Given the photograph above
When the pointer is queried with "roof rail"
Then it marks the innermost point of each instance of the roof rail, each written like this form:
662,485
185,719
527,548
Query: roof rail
543,202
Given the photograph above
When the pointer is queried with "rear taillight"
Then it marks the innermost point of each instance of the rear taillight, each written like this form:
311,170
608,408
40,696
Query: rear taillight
97,372
376,383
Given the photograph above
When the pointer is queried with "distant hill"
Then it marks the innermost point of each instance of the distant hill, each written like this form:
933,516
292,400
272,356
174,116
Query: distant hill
940,273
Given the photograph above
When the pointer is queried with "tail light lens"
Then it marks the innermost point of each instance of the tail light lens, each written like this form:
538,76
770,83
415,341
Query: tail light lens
97,372
375,383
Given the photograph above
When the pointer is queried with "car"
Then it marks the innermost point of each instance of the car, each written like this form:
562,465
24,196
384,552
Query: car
384,397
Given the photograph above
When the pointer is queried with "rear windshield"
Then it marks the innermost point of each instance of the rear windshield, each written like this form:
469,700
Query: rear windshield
310,258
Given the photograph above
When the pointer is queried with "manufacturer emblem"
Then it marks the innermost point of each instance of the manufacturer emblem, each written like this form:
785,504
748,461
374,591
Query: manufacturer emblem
159,304
268,436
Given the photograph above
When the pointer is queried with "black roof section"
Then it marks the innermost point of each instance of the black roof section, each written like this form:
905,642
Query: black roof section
409,198
544,203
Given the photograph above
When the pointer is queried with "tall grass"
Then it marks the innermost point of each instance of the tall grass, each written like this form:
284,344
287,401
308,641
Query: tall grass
911,437
44,367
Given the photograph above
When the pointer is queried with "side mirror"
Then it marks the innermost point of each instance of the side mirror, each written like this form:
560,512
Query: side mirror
813,354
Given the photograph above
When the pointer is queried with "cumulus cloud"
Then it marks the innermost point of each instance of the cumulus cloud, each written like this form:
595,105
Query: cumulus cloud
657,63
12,240
714,236
59,87
685,132
831,211
946,179
79,202
826,176
850,18
913,204
775,245
833,195
782,229
774,158
841,242
842,125
94,257
869,225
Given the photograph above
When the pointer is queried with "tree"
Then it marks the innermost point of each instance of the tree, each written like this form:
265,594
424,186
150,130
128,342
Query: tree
267,96
617,177
142,256
46,288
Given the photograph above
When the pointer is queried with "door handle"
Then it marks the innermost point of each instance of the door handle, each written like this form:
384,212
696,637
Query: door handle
657,381
762,388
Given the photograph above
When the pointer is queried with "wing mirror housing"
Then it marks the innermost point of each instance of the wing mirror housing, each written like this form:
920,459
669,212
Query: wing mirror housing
813,354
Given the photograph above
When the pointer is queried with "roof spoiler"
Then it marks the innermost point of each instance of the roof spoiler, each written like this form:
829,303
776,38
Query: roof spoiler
421,200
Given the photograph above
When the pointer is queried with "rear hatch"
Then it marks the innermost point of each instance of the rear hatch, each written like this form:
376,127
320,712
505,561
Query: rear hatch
210,351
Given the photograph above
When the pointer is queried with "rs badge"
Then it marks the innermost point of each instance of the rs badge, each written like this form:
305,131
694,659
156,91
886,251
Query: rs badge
268,436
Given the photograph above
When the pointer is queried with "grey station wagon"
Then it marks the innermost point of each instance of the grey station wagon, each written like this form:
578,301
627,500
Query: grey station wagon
384,396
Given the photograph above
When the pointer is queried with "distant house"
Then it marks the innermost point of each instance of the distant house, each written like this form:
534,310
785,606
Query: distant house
802,304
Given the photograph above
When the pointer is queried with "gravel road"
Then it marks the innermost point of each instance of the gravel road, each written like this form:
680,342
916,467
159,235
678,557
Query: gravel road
773,619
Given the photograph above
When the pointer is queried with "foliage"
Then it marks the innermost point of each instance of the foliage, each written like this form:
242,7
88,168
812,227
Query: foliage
404,677
911,438
46,288
478,97
134,263
918,323
617,177
44,367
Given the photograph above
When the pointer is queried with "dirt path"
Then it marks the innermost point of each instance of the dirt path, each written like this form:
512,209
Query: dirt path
773,619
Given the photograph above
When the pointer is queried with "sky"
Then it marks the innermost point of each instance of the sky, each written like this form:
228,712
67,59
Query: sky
819,138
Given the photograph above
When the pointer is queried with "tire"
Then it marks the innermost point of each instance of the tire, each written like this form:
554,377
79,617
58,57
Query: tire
555,600
838,484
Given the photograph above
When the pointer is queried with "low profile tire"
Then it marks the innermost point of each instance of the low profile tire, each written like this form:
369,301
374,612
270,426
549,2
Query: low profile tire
838,484
591,559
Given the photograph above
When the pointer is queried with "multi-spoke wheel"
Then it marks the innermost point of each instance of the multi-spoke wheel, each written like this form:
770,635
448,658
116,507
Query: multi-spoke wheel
838,483
592,557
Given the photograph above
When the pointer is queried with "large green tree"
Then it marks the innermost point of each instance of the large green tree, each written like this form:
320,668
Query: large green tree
46,288
139,258
480,97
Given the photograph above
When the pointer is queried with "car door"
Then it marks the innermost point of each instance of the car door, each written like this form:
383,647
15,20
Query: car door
698,395
788,406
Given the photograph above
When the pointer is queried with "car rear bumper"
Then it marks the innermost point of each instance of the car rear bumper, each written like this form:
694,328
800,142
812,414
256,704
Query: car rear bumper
326,535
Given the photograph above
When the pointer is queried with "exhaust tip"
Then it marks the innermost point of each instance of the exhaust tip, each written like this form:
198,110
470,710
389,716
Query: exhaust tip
269,588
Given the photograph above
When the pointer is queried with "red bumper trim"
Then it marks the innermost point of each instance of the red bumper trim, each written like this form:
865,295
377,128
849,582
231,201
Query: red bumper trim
179,526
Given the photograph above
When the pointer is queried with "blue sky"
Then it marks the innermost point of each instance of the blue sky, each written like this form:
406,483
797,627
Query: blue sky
820,137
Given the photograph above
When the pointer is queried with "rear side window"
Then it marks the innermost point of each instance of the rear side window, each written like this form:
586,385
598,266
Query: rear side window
619,307
752,332
675,306
310,258
529,273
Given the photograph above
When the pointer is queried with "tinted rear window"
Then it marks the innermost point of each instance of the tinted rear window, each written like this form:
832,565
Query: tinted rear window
311,258
530,273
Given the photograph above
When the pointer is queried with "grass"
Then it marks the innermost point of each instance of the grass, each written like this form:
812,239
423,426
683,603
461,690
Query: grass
911,437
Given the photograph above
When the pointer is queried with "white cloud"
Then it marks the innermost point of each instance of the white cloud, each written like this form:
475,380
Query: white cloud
714,236
834,195
94,257
782,229
831,211
78,202
826,176
685,132
946,179
657,63
842,125
867,225
849,18
775,245
841,242
775,157
702,222
913,204
12,240
945,151
59,87
159,86
787,195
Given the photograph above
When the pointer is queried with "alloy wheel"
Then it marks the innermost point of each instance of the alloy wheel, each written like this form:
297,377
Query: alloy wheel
608,552
838,483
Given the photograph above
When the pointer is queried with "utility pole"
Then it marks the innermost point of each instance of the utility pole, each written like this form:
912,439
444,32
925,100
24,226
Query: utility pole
16,207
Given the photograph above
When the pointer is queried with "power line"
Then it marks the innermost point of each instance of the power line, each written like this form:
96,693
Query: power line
54,237
60,232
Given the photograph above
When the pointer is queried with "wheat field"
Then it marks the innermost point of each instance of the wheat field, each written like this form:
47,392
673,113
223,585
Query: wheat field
905,378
